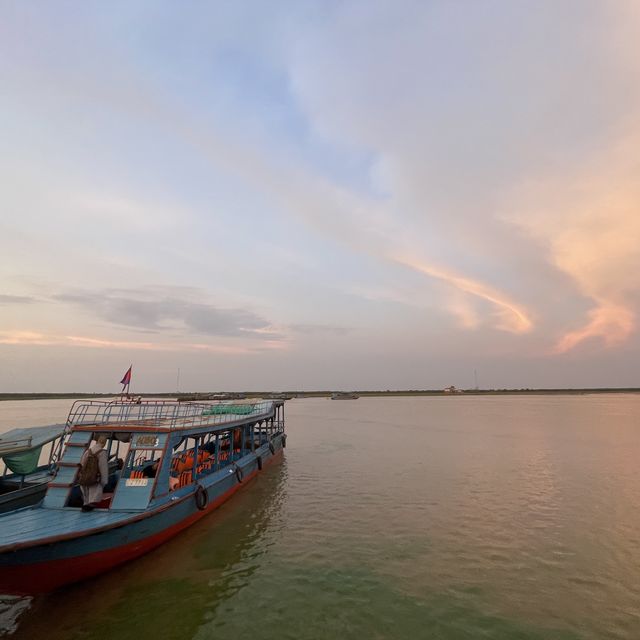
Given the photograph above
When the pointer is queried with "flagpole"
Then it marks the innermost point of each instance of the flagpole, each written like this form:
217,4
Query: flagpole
126,382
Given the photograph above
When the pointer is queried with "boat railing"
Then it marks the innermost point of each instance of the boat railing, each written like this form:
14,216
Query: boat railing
15,444
162,413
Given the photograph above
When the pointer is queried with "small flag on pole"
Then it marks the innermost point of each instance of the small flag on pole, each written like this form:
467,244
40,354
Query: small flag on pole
126,380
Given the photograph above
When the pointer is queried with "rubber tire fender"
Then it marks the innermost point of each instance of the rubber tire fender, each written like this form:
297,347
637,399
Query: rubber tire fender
284,440
202,497
259,461
239,474
272,448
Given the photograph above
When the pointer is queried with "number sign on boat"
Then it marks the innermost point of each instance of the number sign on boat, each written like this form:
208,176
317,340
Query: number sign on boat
137,482
146,441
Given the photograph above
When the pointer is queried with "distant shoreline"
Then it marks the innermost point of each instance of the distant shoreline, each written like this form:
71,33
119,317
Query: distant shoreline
321,394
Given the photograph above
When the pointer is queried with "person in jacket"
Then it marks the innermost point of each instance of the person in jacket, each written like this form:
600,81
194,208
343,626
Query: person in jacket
93,488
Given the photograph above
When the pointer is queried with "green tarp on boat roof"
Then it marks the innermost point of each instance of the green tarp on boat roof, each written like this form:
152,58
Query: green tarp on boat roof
237,409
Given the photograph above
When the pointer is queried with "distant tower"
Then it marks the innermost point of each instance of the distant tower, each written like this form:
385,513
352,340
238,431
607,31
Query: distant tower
475,377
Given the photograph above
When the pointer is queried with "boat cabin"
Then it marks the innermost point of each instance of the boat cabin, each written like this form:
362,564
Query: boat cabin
160,450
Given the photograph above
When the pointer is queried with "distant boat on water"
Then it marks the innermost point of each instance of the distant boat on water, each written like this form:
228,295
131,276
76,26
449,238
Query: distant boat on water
278,396
344,395
453,389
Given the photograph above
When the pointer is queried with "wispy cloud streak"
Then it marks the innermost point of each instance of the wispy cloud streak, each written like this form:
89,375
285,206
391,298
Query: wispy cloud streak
612,323
31,338
512,317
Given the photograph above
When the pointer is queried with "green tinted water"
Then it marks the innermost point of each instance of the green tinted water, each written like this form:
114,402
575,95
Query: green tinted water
451,518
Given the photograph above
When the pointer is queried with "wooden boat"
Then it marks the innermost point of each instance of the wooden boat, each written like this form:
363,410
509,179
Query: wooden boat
344,395
180,462
27,464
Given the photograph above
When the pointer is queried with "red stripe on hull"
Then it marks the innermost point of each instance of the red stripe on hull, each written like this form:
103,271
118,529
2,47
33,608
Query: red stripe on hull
46,576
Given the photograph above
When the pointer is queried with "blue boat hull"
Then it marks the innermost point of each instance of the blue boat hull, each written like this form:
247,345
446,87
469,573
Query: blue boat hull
45,565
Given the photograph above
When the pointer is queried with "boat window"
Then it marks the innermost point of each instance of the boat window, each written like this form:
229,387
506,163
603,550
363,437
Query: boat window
214,451
183,461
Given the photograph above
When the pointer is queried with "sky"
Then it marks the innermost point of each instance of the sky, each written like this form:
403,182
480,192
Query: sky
331,194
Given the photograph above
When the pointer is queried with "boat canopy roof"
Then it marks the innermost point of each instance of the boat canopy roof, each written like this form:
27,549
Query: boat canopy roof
165,415
20,448
28,438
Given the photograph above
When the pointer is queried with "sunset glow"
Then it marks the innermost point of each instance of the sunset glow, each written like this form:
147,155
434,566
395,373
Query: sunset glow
337,194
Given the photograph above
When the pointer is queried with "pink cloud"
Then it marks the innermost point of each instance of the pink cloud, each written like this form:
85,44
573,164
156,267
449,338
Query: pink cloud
29,338
510,316
612,323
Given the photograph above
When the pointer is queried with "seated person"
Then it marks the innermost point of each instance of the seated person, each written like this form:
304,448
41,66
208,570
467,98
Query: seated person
210,447
151,470
114,477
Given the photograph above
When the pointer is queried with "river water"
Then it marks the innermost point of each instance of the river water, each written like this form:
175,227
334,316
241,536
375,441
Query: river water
495,517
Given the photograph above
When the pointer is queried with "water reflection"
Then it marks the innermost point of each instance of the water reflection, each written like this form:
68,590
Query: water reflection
493,517
11,608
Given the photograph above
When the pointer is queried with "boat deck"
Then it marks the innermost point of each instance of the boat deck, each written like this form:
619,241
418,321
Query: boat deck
28,525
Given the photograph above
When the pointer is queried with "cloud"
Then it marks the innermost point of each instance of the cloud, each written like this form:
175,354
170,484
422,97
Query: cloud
462,308
612,323
458,120
122,212
31,338
28,338
154,310
590,223
98,343
319,329
510,316
338,90
9,299
458,126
